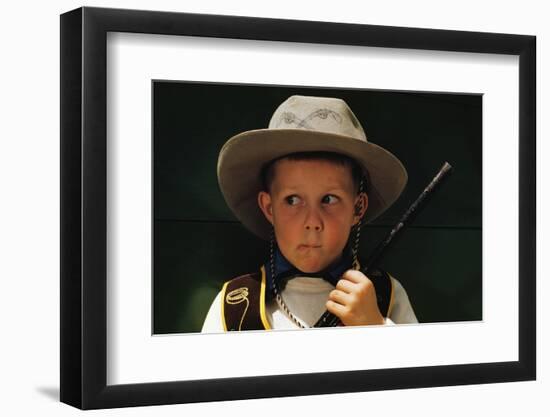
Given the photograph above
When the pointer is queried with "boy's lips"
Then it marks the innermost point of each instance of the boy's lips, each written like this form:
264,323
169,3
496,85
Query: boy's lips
308,246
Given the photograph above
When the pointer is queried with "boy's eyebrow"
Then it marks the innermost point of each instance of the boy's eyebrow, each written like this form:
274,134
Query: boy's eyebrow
335,191
288,190
330,189
335,188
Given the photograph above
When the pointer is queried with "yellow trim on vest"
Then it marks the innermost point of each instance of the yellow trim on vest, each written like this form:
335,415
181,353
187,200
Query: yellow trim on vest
391,296
263,316
224,289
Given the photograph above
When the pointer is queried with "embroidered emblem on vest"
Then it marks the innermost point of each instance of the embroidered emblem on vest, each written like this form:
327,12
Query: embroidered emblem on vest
243,306
240,295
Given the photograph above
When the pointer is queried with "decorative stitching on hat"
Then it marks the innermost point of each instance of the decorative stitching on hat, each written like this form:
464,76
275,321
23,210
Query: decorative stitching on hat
291,118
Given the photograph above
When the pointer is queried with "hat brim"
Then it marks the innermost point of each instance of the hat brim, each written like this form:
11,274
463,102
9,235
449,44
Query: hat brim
243,156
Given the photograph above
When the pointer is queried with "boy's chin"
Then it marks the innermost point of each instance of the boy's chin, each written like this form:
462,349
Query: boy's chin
314,263
310,267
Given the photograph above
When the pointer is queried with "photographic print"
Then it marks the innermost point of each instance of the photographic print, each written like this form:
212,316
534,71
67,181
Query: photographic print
200,244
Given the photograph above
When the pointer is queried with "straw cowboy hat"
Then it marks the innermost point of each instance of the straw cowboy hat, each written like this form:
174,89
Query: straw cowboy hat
304,124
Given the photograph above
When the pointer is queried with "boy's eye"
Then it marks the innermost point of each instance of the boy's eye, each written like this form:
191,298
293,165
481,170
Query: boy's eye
329,199
292,200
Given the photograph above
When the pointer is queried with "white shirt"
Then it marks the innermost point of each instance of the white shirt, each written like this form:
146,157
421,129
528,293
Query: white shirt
305,297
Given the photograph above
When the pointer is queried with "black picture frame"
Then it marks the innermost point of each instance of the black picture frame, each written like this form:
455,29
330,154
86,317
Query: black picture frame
83,311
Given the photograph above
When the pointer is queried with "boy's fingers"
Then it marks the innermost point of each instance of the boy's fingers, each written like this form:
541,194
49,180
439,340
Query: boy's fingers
345,286
354,276
337,309
340,297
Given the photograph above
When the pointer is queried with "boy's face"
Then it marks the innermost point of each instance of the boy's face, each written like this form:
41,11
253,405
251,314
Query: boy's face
311,205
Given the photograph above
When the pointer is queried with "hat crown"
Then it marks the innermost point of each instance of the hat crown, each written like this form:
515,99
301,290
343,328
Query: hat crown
322,114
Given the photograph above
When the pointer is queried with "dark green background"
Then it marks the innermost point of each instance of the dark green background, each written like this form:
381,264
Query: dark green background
198,244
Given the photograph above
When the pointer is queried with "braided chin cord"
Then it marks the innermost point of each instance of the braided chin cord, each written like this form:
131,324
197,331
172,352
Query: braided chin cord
355,247
276,291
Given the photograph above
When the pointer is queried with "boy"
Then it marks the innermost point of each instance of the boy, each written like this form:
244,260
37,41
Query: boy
305,184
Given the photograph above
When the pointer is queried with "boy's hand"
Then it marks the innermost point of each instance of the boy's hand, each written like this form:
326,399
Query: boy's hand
354,300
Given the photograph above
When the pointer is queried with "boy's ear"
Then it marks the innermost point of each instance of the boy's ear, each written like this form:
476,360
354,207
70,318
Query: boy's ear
361,204
264,201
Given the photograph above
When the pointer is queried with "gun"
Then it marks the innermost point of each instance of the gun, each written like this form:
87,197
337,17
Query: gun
330,320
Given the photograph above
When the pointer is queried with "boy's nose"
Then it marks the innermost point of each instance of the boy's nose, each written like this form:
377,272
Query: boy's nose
316,227
313,221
